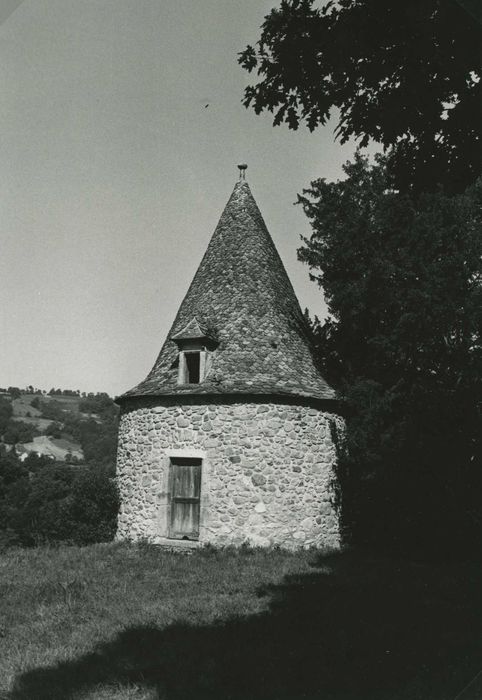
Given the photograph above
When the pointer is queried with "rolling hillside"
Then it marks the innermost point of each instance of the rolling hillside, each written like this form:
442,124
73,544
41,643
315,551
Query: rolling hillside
67,428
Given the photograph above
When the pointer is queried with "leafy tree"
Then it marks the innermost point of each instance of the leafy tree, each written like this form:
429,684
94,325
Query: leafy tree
35,462
99,441
52,409
101,404
55,503
400,275
98,436
54,430
71,425
14,392
72,507
402,278
13,479
405,74
18,431
11,470
6,411
42,512
94,506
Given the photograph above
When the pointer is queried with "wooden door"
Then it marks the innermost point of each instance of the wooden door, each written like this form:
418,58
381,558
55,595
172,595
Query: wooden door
185,499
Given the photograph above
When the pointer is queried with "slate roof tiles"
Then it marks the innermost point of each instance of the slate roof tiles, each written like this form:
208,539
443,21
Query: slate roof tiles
242,294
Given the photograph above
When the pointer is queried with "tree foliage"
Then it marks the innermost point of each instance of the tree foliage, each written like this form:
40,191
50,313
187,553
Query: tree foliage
405,74
42,502
18,431
402,278
6,412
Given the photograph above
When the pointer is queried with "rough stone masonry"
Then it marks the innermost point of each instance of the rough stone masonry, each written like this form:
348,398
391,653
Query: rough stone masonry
267,476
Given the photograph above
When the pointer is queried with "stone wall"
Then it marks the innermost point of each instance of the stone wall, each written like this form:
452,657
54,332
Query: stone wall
267,471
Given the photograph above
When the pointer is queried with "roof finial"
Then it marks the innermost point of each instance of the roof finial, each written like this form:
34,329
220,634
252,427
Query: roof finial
242,171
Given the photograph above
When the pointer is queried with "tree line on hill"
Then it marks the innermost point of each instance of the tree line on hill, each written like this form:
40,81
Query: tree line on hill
43,500
15,392
396,247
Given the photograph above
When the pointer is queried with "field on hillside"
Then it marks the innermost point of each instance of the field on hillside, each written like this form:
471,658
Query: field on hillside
45,444
123,621
67,428
22,406
40,423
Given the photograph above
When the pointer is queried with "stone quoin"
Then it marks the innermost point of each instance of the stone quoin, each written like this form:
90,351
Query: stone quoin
229,439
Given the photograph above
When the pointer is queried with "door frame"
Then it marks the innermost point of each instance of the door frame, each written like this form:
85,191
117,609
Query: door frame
196,461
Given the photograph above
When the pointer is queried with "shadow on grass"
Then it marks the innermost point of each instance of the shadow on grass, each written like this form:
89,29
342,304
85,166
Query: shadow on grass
360,627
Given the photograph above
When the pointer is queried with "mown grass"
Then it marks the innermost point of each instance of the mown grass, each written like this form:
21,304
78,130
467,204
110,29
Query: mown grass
123,621
58,603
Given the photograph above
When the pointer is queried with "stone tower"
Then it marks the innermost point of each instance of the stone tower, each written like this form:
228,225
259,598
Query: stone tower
228,439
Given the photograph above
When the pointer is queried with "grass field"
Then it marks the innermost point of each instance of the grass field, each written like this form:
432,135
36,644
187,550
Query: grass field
120,621
22,406
40,423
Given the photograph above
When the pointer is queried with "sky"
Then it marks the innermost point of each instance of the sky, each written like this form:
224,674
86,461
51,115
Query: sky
114,173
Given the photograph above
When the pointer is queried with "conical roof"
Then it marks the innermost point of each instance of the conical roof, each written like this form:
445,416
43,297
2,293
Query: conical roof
242,299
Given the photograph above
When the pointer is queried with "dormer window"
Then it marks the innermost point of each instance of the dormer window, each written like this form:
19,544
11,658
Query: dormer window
191,366
195,345
192,361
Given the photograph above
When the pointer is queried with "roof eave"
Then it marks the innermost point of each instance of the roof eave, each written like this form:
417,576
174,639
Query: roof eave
334,401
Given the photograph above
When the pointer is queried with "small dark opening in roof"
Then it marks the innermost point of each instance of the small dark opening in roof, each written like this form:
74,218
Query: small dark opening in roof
193,366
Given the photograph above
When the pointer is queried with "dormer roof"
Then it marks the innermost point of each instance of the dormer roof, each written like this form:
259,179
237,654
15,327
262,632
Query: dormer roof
193,331
241,290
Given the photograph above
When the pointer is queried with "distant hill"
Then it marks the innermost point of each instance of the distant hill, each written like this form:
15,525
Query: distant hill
64,448
69,428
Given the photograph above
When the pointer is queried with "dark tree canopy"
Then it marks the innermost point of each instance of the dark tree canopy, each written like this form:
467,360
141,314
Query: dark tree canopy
403,73
402,277
42,501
